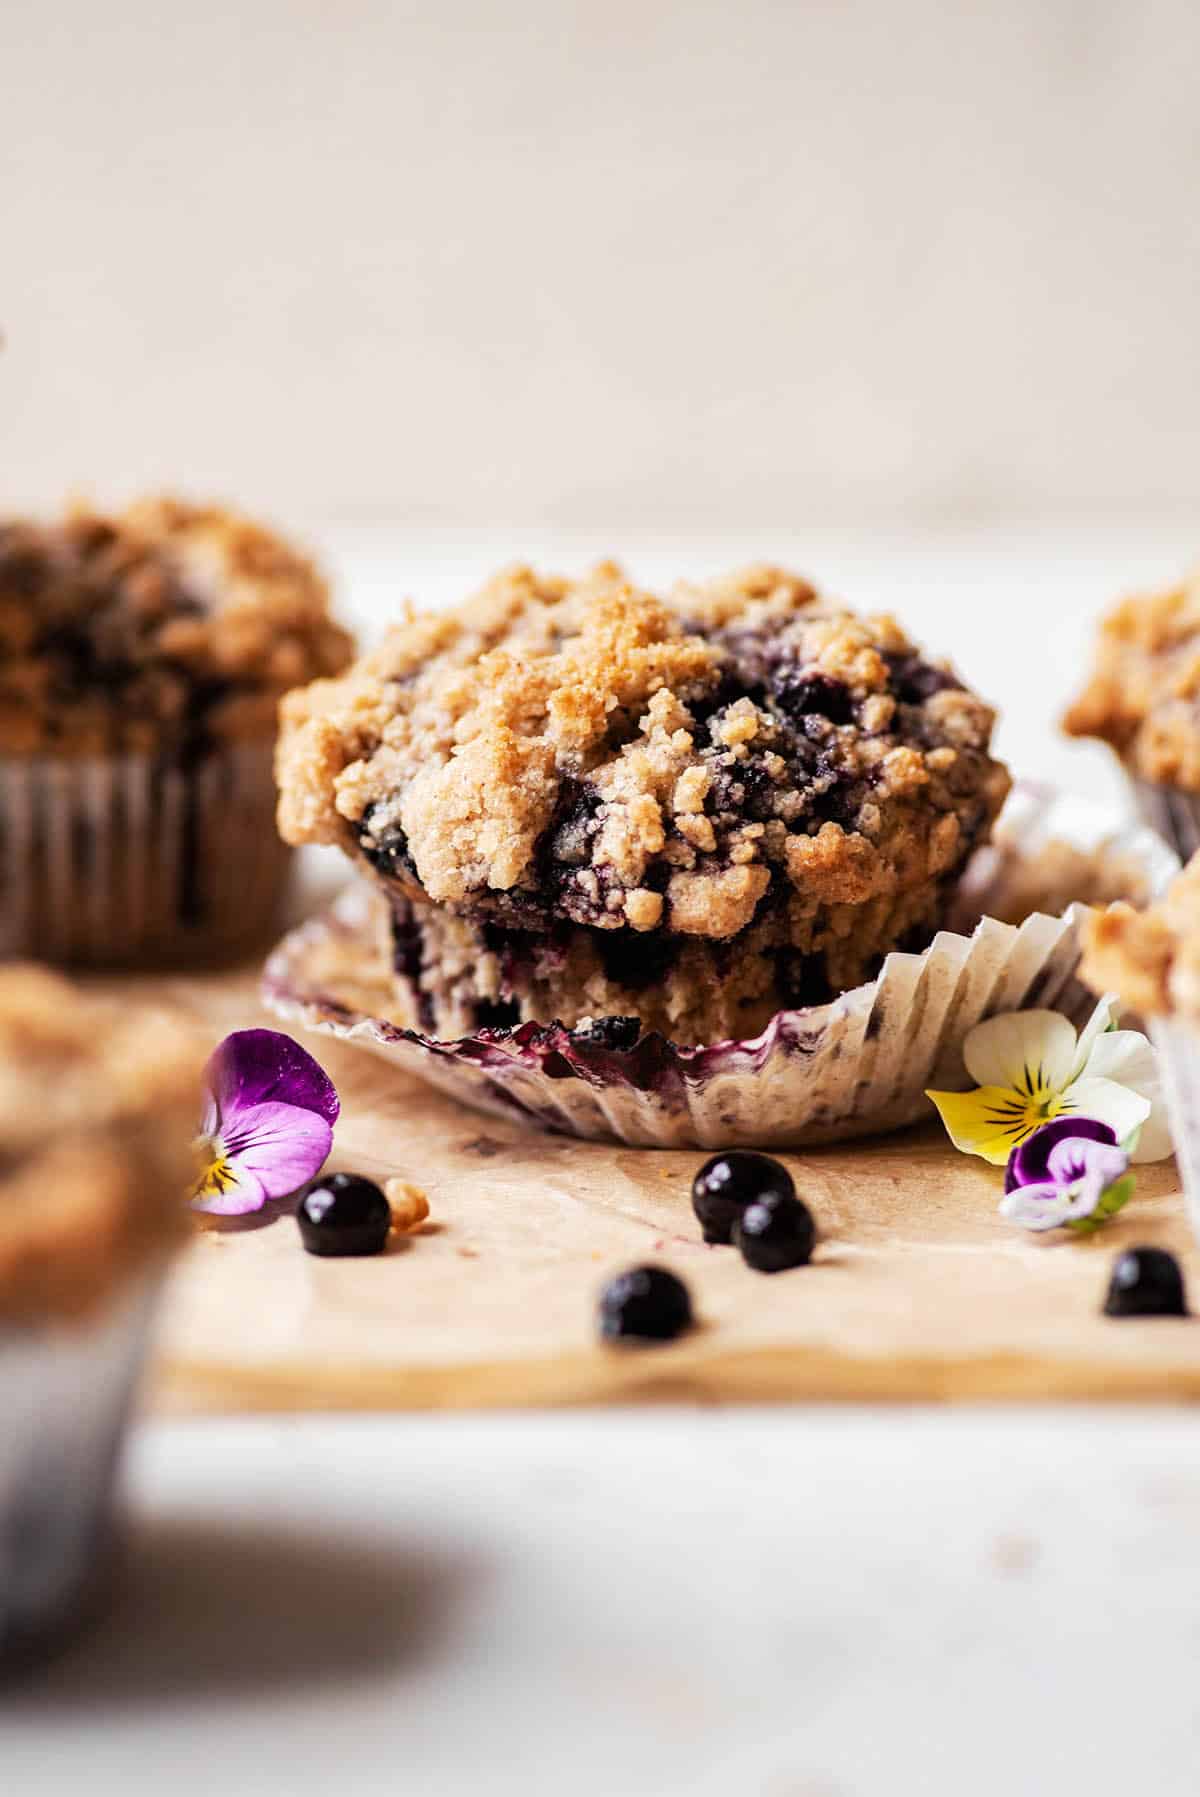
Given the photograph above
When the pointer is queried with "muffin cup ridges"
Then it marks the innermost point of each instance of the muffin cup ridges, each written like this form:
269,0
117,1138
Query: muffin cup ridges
65,1394
858,1066
126,859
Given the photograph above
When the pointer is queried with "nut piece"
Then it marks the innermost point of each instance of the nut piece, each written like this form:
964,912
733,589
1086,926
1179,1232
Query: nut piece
410,1206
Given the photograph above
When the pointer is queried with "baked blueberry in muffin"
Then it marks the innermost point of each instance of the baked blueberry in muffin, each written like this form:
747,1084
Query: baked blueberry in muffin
586,801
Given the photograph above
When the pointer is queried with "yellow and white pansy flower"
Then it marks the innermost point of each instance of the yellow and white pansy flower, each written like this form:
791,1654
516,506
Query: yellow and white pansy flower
1031,1066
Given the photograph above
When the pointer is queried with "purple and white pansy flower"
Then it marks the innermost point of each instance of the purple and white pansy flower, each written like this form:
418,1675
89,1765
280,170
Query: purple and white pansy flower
268,1122
1064,1113
1083,1181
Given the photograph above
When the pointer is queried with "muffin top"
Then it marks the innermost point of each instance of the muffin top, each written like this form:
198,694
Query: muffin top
98,1110
1143,696
584,750
1150,959
163,627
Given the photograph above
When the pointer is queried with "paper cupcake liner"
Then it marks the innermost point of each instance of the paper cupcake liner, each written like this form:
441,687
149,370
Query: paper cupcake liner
858,1066
124,859
64,1400
1175,814
1178,1045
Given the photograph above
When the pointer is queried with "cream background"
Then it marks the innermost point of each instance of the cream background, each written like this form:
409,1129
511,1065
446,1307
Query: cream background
635,264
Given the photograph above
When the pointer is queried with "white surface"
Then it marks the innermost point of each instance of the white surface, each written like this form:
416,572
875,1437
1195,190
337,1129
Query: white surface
473,261
794,1604
814,1604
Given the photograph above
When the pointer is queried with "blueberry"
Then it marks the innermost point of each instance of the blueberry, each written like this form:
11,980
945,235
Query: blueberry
615,1033
388,852
645,1304
1146,1282
729,1182
913,680
344,1214
775,1233
815,695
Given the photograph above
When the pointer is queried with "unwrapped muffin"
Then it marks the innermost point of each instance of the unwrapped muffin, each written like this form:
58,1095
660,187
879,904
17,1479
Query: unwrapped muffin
142,659
585,801
98,1108
1143,698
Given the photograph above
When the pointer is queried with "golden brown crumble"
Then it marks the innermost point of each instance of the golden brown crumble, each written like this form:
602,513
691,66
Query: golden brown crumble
1150,959
135,631
98,1110
1143,696
588,752
408,1204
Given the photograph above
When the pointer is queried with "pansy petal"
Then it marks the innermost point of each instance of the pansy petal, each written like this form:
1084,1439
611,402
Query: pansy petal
1037,1207
1097,1026
989,1121
254,1067
234,1193
280,1144
1123,1110
1154,1138
1027,1051
1029,1162
1127,1057
1078,1158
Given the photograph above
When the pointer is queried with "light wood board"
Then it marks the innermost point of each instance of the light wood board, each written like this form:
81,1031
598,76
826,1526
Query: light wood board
919,1290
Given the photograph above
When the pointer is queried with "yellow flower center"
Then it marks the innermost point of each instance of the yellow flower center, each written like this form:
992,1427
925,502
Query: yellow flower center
217,1175
1025,1107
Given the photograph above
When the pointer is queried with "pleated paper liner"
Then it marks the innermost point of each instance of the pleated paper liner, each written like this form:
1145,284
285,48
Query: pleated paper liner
858,1066
116,860
65,1394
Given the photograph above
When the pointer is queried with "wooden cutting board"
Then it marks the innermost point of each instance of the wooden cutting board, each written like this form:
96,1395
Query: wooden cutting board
918,1289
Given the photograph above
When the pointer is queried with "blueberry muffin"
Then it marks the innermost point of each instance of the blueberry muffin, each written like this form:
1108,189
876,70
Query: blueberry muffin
98,1109
1143,699
584,801
142,659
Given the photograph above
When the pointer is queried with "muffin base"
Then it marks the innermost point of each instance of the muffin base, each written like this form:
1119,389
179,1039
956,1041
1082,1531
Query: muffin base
818,1074
125,859
456,974
64,1400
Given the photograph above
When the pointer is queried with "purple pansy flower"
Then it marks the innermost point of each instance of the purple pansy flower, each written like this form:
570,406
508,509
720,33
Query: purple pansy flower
268,1122
1084,1178
1027,1164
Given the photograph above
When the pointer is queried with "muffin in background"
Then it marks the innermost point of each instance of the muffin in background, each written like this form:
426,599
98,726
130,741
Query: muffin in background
142,659
1143,699
98,1109
586,801
1151,961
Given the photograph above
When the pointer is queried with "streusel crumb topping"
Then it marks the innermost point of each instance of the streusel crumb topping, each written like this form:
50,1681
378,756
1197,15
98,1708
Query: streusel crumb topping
98,1109
1143,696
1150,959
587,751
154,627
